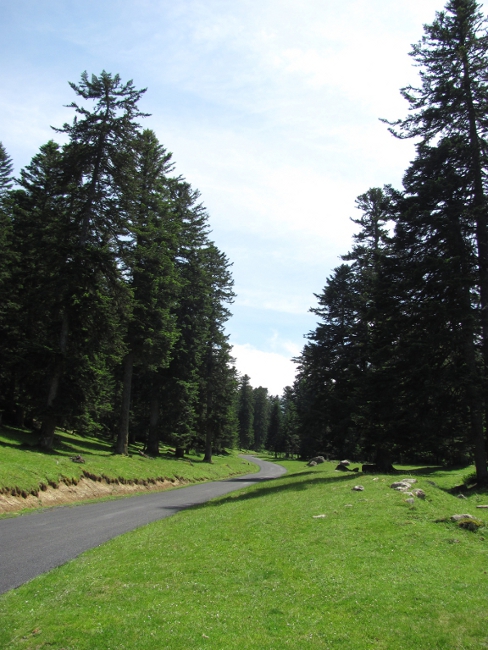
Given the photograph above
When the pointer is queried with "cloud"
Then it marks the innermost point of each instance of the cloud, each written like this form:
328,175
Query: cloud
272,370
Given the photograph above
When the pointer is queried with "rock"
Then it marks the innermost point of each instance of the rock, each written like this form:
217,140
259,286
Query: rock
312,463
319,516
420,494
358,488
401,486
317,460
459,517
410,500
78,459
461,496
345,462
409,480
480,506
342,468
376,478
356,469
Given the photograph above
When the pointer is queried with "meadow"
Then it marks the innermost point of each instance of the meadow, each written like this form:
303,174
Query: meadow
26,471
260,569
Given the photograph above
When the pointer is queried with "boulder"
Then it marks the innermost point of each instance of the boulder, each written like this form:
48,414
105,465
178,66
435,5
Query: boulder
345,462
342,468
420,494
401,486
460,517
317,460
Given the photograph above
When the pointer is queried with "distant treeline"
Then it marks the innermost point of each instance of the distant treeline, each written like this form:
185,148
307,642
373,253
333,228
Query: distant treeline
113,298
397,367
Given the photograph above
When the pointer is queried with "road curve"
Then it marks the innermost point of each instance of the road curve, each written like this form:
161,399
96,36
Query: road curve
36,543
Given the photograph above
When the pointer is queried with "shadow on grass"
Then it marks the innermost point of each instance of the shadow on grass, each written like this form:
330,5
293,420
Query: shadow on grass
266,490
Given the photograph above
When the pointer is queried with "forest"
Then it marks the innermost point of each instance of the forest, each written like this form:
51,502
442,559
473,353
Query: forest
114,299
396,369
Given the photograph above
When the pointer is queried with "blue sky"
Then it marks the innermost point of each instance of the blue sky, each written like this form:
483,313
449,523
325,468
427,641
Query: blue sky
270,108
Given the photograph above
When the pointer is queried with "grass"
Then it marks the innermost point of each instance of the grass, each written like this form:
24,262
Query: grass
256,570
24,467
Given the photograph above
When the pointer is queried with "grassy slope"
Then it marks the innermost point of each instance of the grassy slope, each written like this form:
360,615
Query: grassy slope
256,570
25,467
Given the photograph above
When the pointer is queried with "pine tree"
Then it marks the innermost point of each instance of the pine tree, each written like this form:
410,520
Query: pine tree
452,103
245,413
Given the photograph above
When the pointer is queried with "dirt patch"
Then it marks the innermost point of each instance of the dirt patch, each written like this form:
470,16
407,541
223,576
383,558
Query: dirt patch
86,488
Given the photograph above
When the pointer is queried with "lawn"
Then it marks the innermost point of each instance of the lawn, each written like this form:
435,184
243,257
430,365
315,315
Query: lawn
24,468
258,569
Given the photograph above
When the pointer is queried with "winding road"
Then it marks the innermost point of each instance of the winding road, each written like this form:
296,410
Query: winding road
35,543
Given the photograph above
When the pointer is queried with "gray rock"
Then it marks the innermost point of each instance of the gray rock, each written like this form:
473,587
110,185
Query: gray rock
312,463
317,460
461,496
420,494
459,517
358,488
410,500
401,486
345,463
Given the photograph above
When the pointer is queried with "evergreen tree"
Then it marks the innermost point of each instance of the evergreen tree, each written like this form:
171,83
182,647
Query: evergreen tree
261,417
452,103
245,413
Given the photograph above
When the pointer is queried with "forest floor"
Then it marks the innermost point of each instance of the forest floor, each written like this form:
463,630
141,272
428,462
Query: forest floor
303,561
31,478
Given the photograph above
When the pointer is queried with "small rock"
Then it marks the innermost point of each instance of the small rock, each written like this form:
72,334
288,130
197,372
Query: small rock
410,500
358,488
317,460
78,459
348,505
459,517
319,516
345,462
461,496
376,478
420,494
480,506
312,463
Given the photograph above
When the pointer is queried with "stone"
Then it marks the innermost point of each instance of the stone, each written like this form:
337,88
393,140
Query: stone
461,496
410,500
358,488
319,516
480,506
317,460
78,459
342,468
345,462
312,463
420,494
459,517
401,486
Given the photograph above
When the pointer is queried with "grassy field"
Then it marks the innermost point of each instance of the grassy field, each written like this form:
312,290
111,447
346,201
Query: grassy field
24,468
257,570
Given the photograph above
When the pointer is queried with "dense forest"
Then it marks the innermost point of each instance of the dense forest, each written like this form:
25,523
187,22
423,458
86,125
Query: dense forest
396,369
113,297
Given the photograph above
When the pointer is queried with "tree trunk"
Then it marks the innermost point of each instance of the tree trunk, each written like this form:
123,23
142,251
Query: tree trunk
152,445
122,444
179,452
46,439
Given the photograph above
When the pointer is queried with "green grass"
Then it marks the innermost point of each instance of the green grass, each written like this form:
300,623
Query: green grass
255,570
25,467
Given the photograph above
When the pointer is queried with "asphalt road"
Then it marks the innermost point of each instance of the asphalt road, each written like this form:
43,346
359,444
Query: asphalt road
35,543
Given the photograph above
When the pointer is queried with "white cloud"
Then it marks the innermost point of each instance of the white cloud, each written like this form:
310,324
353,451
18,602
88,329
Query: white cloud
272,370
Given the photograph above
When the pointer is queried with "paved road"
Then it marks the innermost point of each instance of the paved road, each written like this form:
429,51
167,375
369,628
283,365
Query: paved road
35,543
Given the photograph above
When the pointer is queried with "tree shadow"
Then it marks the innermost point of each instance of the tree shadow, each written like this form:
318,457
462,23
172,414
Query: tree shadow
270,489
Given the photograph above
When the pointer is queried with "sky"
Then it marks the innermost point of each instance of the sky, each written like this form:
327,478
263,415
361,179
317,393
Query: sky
271,109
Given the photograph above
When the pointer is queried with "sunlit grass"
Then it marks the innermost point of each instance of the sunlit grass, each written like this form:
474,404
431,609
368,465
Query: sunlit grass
255,569
24,466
